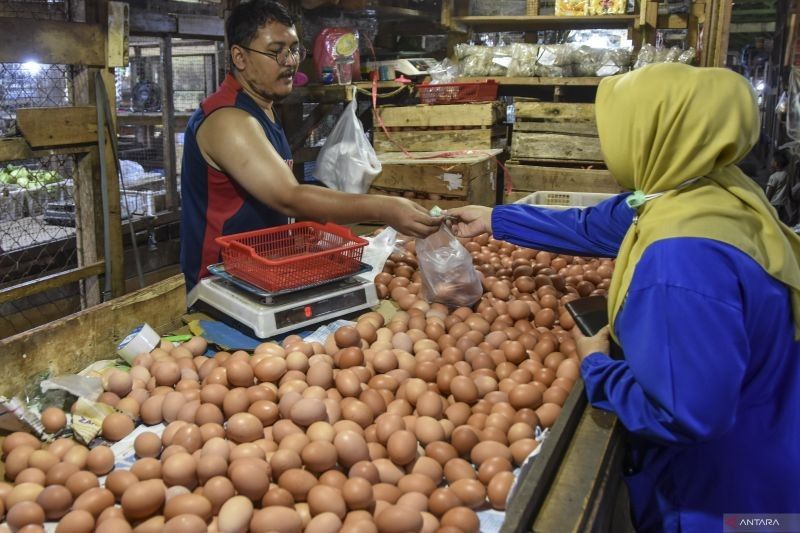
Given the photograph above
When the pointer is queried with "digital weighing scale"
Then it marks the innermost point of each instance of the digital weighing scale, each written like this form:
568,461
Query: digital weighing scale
265,314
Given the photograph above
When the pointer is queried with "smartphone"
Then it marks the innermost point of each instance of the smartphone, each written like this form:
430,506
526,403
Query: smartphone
591,315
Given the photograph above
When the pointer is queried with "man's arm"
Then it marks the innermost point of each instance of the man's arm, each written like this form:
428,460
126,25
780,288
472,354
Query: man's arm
234,142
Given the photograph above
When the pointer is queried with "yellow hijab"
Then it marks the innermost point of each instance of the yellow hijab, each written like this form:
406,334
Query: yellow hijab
668,123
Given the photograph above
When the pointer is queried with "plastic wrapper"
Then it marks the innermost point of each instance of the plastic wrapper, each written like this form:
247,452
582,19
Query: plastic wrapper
523,60
607,7
444,72
347,161
572,8
587,61
649,54
448,275
337,45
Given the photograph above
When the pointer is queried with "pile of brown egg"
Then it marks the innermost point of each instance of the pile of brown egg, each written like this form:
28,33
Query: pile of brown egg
410,425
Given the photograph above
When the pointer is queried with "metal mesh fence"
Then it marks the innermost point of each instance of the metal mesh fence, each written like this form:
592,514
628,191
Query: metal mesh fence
34,9
37,208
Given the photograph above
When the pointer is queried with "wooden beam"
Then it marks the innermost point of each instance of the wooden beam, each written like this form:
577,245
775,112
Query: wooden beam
553,112
538,178
88,223
35,286
14,148
146,23
68,345
58,126
427,116
201,26
431,140
554,146
51,41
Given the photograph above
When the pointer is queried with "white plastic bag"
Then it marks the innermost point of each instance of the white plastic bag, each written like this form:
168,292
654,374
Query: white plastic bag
448,275
347,162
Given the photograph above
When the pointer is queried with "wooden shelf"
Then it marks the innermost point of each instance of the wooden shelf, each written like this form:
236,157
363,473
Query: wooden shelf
334,93
586,81
545,22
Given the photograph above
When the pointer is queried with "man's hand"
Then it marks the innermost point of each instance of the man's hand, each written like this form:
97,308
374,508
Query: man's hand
589,345
470,220
409,218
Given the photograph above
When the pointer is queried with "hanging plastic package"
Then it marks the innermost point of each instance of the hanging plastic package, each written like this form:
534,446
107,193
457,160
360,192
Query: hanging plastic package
448,275
347,162
337,45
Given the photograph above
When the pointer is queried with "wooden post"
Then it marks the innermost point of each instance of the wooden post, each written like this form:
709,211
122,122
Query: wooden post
89,234
168,126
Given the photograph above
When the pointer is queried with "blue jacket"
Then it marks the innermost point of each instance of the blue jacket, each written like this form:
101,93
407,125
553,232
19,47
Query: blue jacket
710,384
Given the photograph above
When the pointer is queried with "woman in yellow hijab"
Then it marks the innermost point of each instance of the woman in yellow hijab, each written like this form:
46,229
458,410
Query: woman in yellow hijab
704,300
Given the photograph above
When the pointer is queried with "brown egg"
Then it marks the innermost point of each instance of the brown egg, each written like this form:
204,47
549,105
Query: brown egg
179,469
94,500
147,444
151,410
80,482
547,413
464,390
209,466
53,419
277,496
461,518
357,493
55,500
498,489
100,460
113,525
25,513
244,427
441,452
20,438
143,499
146,468
116,426
59,474
347,336
120,383
188,504
402,447
351,448
418,483
246,483
297,482
118,482
397,519
278,519
486,449
218,490
76,522
31,475
319,456
235,515
442,500
23,492
325,499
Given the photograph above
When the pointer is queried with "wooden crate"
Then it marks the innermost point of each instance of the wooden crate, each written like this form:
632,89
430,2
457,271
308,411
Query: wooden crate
453,182
526,179
429,128
551,132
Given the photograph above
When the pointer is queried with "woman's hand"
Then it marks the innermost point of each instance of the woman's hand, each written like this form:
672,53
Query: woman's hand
470,220
588,345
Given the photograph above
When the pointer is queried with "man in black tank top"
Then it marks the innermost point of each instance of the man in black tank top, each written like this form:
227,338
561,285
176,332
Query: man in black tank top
236,173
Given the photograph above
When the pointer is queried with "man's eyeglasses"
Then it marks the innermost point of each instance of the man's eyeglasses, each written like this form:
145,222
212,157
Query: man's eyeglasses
296,54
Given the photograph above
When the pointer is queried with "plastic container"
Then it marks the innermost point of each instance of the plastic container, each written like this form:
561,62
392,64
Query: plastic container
458,93
564,199
292,256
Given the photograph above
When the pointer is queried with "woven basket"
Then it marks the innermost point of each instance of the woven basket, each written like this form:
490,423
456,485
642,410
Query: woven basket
533,8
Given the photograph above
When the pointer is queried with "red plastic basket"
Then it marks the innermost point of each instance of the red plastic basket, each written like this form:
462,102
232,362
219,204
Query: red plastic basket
455,93
292,256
